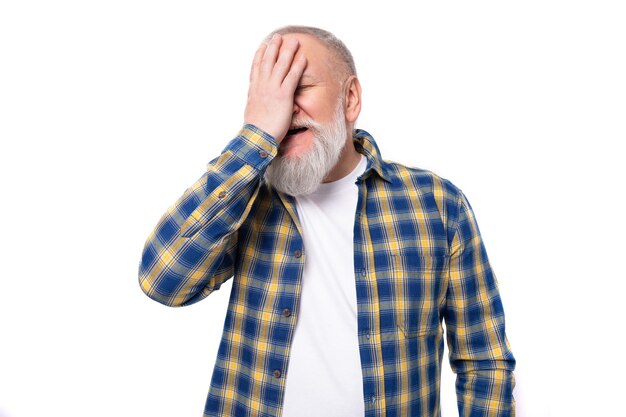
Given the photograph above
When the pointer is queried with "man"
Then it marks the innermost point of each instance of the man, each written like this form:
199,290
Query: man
344,265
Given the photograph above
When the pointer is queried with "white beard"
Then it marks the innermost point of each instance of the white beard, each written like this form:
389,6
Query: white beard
302,174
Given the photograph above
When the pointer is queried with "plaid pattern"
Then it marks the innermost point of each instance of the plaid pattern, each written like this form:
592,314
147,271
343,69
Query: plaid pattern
418,259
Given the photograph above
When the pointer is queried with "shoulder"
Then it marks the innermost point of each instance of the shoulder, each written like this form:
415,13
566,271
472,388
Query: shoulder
423,180
400,181
433,193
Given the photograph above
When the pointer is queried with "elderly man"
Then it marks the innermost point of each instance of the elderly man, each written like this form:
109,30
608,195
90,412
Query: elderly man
344,265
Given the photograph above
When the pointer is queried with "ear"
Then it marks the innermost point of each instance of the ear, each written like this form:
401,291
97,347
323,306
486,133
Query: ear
352,99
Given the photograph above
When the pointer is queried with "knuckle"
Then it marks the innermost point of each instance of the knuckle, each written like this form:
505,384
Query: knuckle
282,63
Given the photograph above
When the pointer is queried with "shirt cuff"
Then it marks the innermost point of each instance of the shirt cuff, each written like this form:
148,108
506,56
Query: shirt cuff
254,146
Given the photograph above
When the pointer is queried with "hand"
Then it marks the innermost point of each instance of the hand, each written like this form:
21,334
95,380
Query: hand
273,80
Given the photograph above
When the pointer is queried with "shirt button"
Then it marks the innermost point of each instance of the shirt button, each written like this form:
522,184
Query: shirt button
277,373
373,399
222,194
363,272
297,254
367,336
263,154
286,312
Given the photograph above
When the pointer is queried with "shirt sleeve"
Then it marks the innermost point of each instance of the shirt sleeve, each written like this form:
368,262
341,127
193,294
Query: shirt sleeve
192,249
480,354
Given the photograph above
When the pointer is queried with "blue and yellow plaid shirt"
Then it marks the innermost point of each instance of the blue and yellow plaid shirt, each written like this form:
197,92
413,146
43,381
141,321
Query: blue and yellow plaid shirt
418,260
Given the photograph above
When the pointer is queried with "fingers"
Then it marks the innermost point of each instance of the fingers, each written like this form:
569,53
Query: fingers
256,62
285,60
271,53
274,76
292,78
273,60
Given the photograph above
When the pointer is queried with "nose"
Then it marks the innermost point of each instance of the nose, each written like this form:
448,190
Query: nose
296,108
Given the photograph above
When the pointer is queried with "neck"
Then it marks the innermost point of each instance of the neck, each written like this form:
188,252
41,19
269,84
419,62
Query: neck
348,160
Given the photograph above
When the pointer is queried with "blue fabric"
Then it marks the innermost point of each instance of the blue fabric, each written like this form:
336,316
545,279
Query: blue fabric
418,260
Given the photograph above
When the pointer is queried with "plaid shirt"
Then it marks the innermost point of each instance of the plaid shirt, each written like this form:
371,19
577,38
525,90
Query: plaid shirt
418,259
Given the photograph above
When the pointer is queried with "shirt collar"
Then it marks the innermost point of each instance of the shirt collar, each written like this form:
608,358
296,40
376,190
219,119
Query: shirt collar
365,144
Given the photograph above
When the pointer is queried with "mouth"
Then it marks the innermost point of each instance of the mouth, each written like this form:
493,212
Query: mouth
292,138
295,131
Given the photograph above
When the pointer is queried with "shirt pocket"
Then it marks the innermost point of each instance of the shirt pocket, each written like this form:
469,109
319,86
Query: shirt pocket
418,294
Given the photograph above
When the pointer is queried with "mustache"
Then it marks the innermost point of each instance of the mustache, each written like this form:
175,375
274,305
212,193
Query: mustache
307,123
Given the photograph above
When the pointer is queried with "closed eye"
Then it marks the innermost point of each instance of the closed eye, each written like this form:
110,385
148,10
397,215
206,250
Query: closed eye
301,88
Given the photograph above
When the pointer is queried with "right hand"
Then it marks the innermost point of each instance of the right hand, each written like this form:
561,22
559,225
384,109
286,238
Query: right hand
274,77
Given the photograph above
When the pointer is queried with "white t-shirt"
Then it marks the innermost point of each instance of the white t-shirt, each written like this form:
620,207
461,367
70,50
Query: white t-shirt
324,377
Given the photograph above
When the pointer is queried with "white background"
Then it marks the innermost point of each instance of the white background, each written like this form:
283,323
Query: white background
110,110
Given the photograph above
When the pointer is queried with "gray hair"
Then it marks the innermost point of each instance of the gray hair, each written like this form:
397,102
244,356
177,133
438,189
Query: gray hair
328,39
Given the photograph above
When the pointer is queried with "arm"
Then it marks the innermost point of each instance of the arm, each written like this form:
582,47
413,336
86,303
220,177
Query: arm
479,351
191,251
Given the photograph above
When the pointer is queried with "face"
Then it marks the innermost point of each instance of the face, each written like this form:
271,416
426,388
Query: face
318,132
315,98
302,174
